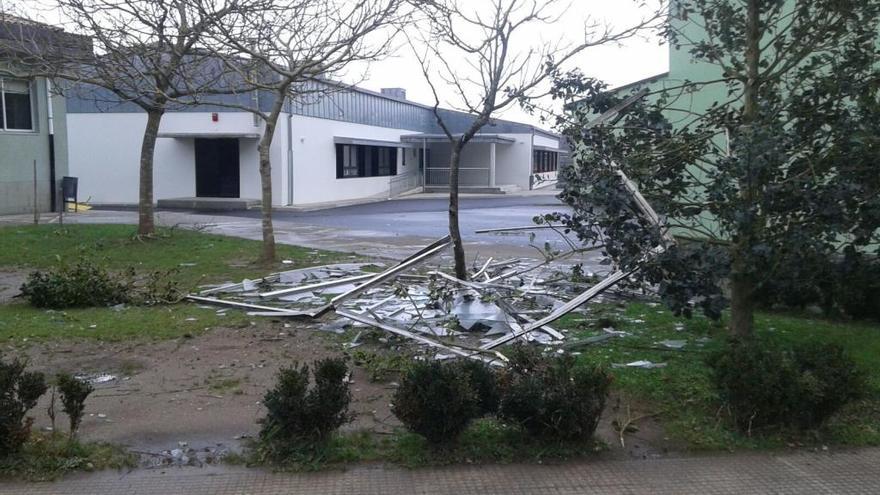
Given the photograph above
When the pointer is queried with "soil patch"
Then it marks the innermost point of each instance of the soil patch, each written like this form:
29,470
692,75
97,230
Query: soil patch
10,283
205,392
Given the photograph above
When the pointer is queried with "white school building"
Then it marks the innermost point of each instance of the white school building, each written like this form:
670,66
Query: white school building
349,145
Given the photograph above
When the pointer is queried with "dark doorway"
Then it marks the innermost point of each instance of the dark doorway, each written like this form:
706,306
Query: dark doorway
217,168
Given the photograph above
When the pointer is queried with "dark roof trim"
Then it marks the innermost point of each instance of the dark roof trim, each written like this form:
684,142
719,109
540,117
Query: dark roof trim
548,148
640,82
442,138
369,142
209,135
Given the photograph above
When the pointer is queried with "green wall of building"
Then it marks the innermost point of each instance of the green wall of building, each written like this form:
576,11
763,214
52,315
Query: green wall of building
19,150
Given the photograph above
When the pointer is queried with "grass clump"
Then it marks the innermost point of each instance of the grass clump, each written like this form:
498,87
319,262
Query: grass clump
485,440
49,456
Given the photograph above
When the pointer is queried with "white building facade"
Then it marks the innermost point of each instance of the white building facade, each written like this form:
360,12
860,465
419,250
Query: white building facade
347,146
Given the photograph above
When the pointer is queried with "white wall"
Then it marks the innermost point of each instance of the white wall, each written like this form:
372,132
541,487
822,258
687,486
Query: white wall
545,179
541,140
514,161
314,161
104,152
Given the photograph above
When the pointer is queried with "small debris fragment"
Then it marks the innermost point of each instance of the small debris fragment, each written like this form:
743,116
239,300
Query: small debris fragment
673,344
640,364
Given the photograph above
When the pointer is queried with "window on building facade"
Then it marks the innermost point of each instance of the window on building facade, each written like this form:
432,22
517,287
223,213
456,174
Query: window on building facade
15,105
545,161
354,160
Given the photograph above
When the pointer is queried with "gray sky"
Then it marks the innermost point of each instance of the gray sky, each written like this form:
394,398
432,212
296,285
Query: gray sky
616,64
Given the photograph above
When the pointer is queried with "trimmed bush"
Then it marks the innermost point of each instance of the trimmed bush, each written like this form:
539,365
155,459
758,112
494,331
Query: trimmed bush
552,397
73,398
82,284
764,385
19,393
436,400
298,414
484,382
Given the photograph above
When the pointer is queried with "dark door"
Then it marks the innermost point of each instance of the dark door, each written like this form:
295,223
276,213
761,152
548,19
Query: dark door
217,168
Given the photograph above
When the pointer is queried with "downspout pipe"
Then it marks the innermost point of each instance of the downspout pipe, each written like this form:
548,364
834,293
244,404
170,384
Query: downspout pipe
289,152
51,117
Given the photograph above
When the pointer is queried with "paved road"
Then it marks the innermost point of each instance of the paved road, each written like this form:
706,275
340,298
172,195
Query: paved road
856,472
426,218
392,229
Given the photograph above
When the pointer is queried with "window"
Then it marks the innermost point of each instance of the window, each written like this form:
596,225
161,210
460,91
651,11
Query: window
545,161
384,165
15,105
349,161
353,160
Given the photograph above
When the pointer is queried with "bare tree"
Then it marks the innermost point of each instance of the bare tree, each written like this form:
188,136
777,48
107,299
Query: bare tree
146,53
289,53
481,52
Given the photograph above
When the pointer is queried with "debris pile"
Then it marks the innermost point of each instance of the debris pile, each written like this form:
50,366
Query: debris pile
503,301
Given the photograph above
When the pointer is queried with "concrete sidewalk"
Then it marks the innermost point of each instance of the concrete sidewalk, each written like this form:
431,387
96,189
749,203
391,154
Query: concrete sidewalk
850,472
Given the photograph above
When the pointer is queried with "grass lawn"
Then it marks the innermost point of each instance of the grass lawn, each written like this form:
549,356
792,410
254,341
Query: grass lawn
50,456
485,441
198,258
681,393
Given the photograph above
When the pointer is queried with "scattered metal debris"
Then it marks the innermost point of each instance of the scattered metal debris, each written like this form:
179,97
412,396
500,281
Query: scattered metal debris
465,318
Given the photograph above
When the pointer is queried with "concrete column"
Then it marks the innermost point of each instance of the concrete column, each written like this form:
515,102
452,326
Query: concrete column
491,164
424,162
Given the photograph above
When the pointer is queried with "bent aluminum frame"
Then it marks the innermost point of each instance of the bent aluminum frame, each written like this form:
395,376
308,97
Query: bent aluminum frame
406,264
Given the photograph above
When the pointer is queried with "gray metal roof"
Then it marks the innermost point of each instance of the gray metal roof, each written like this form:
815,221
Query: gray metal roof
342,102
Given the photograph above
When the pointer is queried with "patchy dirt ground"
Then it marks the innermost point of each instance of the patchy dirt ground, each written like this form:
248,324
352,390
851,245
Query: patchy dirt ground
207,390
10,281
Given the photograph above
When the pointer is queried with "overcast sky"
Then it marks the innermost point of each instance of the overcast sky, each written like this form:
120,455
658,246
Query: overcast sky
617,64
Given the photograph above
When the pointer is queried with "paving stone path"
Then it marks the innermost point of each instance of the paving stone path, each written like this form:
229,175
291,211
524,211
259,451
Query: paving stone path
848,472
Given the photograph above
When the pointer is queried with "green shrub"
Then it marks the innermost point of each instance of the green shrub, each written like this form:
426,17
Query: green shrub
551,397
73,398
764,385
298,414
846,286
82,284
436,400
86,283
484,382
19,393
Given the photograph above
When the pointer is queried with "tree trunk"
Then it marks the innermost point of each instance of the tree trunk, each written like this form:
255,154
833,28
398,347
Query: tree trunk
454,231
742,307
146,222
742,286
268,253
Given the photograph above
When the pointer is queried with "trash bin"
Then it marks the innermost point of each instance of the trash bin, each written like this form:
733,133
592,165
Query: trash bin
69,187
